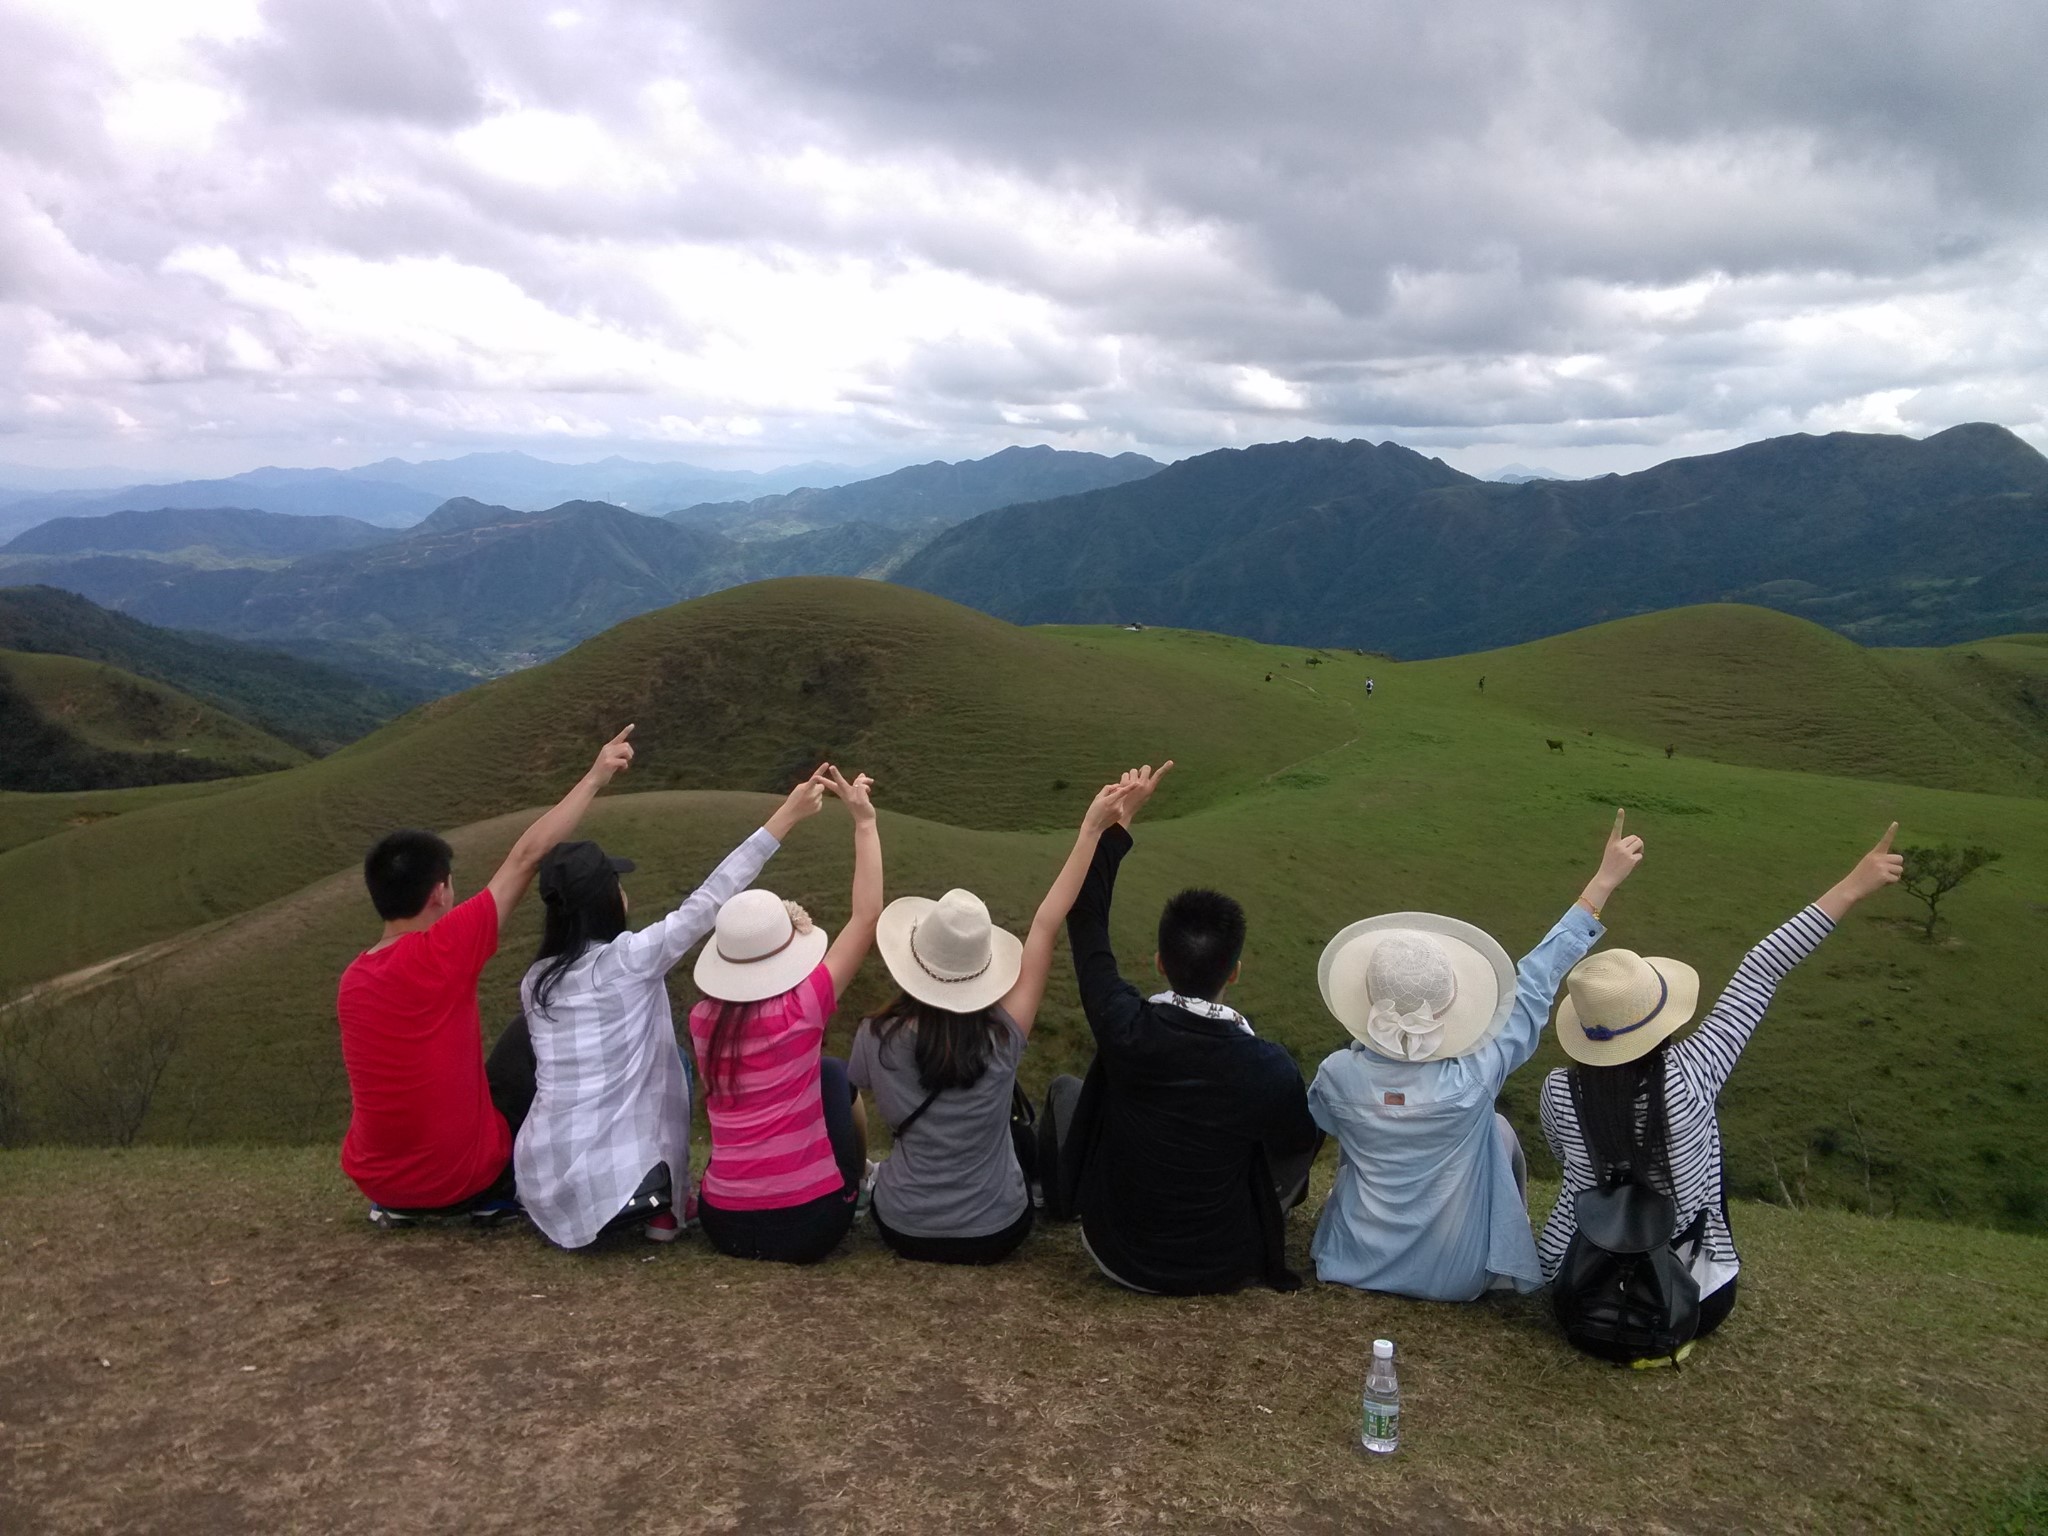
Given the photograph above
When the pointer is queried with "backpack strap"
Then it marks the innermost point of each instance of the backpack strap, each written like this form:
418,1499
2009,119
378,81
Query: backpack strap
896,1131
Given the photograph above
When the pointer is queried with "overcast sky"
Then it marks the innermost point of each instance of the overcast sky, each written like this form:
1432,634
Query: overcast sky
1582,235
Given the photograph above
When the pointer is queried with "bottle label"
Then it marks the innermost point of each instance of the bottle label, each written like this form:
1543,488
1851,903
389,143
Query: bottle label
1382,1421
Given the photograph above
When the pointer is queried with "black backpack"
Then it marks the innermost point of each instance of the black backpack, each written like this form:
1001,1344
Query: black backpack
1622,1292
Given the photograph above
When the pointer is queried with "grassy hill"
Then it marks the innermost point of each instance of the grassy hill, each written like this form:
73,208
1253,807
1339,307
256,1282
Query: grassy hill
72,724
216,1341
1746,685
962,717
1310,802
315,708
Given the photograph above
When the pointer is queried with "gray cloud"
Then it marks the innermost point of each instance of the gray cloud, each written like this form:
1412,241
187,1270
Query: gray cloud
1578,233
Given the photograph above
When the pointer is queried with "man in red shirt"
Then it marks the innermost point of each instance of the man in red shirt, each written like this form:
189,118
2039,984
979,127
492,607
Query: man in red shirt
424,1132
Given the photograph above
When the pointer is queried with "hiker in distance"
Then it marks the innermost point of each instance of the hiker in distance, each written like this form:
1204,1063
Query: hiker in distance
940,1062
607,1141
788,1132
1431,1196
430,1125
1191,1137
1638,1106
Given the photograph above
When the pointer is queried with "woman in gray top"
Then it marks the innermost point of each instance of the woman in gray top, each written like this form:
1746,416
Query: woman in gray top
940,1062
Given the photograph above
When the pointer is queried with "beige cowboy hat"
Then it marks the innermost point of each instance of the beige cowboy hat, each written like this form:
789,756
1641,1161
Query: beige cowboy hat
948,952
761,946
1414,986
1618,1005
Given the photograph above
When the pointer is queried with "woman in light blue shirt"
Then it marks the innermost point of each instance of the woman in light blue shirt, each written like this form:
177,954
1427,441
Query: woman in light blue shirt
1429,1199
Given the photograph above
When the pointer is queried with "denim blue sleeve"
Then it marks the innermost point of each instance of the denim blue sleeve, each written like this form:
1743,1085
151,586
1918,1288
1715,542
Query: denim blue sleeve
1537,979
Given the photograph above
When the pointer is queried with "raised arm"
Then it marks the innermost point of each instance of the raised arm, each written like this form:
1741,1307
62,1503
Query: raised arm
1111,1003
1542,971
1023,1000
844,958
515,876
659,947
1708,1055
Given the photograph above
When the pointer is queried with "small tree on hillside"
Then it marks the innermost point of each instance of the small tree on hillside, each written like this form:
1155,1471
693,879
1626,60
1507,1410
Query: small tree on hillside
1931,873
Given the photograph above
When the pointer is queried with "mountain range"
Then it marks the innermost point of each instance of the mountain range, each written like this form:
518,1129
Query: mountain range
1891,540
1888,539
396,493
924,495
474,588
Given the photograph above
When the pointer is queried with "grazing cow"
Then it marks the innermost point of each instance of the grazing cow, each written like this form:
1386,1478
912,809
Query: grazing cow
1667,753
1555,746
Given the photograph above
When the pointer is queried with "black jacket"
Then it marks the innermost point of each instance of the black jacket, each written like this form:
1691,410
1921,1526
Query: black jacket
1169,1170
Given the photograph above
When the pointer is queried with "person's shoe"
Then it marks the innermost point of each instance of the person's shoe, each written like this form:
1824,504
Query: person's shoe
1677,1358
388,1220
496,1213
866,1202
662,1227
690,1215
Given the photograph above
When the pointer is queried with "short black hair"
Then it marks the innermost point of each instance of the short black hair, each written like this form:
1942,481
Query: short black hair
1201,936
402,871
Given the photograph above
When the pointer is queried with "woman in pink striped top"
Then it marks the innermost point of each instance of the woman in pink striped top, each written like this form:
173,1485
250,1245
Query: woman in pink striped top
788,1135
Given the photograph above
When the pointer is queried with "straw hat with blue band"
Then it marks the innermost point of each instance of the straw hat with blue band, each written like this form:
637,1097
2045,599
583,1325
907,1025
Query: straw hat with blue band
1619,1006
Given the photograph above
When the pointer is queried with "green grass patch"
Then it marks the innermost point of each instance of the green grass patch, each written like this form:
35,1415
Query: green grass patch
1314,809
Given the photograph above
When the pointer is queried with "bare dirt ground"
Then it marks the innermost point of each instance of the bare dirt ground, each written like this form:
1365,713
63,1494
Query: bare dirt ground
217,1342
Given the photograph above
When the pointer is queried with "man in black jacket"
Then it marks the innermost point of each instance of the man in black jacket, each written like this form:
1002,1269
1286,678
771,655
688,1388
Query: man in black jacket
1191,1136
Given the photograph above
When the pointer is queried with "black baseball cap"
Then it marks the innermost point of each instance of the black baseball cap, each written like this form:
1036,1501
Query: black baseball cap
574,872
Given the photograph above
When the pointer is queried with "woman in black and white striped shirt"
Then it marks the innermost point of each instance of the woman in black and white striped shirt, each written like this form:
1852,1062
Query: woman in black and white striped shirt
1648,1102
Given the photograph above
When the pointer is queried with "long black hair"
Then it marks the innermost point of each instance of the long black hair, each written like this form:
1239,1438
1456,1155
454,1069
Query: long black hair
952,1049
1623,1120
719,1055
572,926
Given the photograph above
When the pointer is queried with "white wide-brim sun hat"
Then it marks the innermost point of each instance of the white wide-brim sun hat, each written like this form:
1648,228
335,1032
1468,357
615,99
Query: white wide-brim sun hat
949,953
1442,973
760,947
1618,1005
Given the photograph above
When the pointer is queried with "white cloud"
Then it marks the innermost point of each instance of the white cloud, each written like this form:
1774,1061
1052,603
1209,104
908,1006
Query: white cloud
1580,236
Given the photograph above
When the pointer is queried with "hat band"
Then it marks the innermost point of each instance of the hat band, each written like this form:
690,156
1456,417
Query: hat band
756,959
922,965
1596,1032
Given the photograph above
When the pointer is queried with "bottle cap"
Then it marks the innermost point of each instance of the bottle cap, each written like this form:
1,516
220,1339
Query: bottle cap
1383,1349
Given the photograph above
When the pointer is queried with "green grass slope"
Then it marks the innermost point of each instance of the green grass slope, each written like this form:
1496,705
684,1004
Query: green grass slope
961,717
72,724
314,707
1749,685
1311,803
26,815
216,1341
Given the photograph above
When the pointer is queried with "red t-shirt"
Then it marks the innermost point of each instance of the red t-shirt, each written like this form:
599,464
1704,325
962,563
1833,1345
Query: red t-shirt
422,1131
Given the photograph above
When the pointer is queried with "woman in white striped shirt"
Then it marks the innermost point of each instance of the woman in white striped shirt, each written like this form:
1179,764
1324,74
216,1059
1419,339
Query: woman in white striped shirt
1647,1103
610,1123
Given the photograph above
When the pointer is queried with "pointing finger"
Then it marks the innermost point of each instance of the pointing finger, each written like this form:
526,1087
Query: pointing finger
1884,844
1620,816
619,739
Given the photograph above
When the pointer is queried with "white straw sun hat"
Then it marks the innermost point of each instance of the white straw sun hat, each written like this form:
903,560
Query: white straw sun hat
1417,987
948,952
1619,1005
760,947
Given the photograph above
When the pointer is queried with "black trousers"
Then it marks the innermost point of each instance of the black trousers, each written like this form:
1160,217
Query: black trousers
1290,1174
1714,1309
991,1249
800,1234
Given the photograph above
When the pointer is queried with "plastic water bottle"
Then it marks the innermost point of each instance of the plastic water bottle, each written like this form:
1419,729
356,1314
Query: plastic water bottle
1380,1425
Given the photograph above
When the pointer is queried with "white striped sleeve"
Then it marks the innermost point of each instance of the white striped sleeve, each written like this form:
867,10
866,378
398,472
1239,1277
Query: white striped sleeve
655,949
1709,1053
